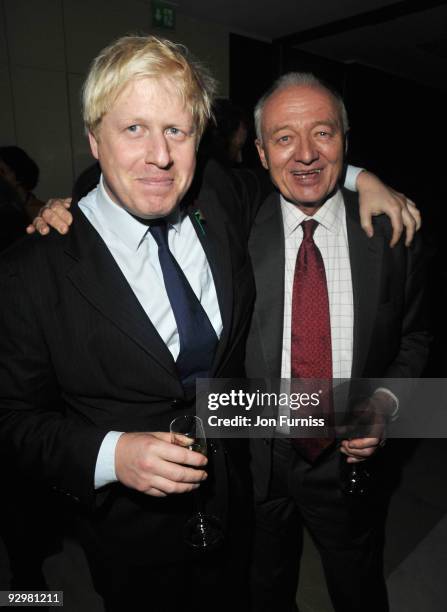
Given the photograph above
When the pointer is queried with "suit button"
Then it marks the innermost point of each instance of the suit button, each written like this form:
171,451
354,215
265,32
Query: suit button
177,403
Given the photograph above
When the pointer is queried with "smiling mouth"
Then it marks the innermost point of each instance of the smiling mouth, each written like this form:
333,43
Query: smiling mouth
156,183
153,179
316,171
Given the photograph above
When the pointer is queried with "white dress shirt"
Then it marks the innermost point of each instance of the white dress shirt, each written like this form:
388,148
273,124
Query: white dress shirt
136,253
332,239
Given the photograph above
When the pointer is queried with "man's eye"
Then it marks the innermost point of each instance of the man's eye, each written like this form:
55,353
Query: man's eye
284,139
173,131
323,133
133,129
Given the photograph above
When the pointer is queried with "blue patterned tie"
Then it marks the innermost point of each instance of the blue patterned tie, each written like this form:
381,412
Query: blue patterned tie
198,340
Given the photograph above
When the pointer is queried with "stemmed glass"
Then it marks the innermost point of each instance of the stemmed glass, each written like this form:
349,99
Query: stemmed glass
367,420
355,478
202,531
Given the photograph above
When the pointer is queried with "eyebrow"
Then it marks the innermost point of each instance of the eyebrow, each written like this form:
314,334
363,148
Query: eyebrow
136,120
287,126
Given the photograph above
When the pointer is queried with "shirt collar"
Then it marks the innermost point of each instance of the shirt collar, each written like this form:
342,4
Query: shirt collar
122,224
330,215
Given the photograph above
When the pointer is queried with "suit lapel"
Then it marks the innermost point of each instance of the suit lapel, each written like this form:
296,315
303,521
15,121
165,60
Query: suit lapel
95,274
268,257
211,230
366,256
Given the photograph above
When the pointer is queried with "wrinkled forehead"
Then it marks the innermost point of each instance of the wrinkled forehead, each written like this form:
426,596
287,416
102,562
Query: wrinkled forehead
297,103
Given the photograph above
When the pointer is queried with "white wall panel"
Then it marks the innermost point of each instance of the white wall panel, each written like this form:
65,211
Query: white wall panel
43,126
7,134
90,26
35,35
3,30
208,42
81,150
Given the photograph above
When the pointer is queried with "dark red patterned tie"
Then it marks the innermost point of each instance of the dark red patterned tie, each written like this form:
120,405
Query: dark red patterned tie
311,351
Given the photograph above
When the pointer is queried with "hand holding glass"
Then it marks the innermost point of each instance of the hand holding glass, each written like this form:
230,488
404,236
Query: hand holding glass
202,531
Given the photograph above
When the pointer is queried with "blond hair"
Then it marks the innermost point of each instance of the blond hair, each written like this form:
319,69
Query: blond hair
137,57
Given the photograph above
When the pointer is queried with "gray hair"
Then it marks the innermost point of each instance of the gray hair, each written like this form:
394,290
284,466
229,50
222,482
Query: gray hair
292,79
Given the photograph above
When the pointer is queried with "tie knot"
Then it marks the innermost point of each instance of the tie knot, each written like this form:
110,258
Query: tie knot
309,228
159,231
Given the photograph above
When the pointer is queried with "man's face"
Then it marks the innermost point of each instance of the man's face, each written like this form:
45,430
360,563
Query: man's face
302,144
146,146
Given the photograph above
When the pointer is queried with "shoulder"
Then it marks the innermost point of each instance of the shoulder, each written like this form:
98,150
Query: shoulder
269,209
235,204
34,255
381,223
223,183
400,254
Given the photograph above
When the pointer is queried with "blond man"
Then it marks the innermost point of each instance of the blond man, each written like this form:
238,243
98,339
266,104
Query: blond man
95,362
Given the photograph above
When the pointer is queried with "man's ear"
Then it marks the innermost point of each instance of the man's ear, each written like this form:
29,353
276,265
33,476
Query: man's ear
346,143
93,145
261,153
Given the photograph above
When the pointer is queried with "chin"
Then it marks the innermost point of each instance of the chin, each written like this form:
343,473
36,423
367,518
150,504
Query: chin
301,200
154,210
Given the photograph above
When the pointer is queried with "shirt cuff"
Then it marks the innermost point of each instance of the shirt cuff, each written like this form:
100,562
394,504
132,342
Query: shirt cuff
105,463
352,173
393,415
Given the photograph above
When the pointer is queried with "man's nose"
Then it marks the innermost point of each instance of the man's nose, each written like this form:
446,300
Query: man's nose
305,150
158,151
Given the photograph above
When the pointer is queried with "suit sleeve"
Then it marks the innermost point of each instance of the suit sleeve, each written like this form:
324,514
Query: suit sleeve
415,336
38,436
409,348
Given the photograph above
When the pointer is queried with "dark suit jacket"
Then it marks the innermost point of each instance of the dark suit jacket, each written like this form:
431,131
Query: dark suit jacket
13,217
79,357
390,338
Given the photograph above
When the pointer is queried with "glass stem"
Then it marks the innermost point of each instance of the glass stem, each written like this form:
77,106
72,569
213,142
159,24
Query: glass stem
199,501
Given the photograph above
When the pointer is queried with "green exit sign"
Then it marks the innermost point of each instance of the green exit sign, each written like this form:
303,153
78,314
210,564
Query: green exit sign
163,15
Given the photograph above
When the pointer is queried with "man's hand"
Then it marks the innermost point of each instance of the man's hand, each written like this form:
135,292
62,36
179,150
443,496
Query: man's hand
377,198
366,427
151,464
55,214
360,449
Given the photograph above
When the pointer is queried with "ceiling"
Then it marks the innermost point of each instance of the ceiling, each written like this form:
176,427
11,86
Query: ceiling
408,39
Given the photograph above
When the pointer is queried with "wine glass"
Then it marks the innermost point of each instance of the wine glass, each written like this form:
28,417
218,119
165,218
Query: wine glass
202,531
367,420
355,478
